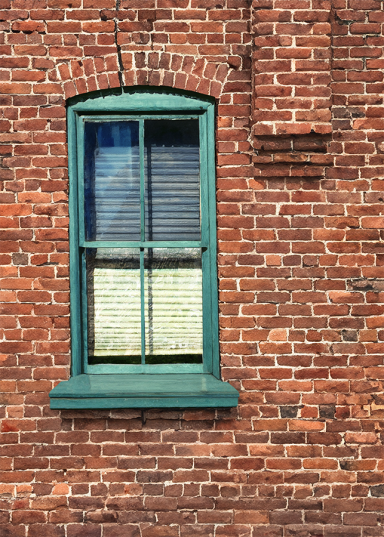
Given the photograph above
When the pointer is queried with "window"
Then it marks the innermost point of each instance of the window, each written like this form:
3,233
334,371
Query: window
144,321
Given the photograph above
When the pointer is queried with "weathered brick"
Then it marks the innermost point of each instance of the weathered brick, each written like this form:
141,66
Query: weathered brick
299,191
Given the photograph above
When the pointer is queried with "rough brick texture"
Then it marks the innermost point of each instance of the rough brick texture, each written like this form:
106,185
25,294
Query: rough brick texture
300,145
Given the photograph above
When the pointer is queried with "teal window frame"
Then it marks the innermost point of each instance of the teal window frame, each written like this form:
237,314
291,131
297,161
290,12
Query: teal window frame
145,385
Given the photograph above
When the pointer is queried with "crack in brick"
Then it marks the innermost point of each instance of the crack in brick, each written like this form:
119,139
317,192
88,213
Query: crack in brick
118,47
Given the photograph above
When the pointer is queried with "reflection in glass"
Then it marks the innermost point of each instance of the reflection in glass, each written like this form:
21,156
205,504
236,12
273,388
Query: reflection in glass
112,180
172,189
173,305
114,312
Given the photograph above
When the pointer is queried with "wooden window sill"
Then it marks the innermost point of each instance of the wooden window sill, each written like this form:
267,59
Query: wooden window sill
143,391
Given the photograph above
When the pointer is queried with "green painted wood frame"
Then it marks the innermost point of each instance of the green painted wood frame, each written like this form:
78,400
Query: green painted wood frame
205,388
140,106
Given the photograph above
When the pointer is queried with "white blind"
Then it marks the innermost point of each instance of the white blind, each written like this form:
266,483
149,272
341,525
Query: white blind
173,311
117,193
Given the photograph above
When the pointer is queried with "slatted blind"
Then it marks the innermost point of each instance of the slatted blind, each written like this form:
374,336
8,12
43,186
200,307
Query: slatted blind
172,182
112,181
117,193
172,193
173,314
116,312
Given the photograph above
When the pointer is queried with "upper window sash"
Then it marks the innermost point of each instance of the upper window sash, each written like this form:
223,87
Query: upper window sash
143,242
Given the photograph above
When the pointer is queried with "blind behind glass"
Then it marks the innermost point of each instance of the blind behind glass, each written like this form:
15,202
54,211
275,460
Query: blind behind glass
112,181
172,186
171,180
172,302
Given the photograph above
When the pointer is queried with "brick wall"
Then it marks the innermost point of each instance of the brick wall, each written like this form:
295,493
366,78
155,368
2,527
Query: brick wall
300,146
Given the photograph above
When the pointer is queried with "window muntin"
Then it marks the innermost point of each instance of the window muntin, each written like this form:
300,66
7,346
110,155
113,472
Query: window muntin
143,196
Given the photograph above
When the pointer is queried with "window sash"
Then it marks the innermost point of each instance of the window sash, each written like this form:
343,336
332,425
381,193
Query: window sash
81,176
210,345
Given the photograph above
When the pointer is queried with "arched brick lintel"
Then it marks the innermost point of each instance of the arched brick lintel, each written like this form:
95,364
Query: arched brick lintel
158,69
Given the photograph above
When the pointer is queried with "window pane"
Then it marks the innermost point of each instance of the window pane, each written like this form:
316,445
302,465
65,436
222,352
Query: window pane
172,189
114,312
173,308
173,305
112,180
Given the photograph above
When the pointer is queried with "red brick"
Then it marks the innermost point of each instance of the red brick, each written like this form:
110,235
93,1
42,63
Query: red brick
300,265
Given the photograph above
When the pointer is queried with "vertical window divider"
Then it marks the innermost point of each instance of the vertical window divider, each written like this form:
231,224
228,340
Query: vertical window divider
142,236
142,180
142,300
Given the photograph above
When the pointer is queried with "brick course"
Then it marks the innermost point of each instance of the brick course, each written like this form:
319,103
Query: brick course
300,144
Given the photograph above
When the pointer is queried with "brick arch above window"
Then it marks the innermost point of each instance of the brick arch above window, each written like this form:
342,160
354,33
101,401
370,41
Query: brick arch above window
153,69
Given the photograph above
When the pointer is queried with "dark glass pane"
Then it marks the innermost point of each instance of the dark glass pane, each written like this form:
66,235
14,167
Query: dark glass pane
114,312
172,186
112,180
173,305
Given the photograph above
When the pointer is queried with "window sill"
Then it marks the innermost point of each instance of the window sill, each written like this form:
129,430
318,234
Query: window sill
143,391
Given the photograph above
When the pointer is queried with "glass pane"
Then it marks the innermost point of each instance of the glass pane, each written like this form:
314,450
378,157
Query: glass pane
173,305
172,185
112,180
114,311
